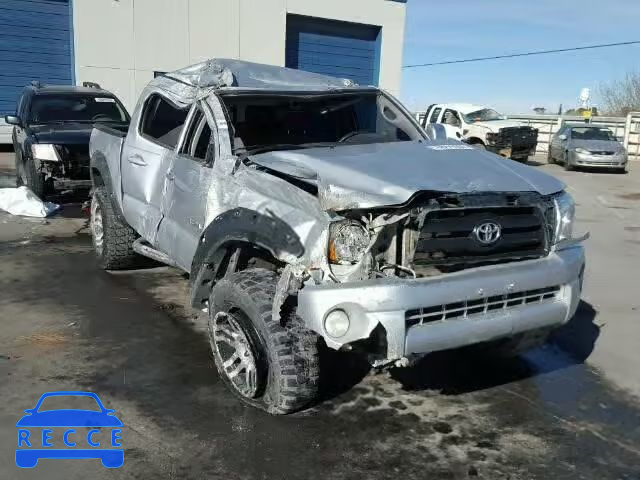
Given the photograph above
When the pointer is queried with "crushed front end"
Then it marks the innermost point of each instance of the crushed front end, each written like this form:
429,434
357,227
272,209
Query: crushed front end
445,271
63,166
513,142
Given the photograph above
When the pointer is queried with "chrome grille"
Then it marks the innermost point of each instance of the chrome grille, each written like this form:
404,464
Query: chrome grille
480,306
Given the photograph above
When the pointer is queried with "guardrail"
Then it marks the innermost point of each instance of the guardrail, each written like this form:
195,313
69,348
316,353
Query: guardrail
626,129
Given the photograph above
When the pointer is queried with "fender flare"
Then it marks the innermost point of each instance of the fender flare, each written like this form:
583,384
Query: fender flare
239,226
98,163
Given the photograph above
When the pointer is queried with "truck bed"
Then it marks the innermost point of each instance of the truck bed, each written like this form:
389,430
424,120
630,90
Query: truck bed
105,149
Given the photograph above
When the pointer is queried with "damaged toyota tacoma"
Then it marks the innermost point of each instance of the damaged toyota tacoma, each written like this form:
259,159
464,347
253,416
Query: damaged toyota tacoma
307,209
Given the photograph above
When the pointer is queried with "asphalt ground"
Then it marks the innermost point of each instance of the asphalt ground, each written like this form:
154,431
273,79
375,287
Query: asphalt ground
569,410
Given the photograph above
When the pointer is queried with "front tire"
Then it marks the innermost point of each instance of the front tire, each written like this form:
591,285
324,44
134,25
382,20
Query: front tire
567,164
112,238
28,175
269,364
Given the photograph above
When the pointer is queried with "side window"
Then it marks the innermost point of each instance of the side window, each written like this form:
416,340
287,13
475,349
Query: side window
452,118
162,121
198,137
435,114
426,114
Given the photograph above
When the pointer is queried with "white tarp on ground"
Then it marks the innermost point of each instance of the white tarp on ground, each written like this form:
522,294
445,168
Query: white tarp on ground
22,201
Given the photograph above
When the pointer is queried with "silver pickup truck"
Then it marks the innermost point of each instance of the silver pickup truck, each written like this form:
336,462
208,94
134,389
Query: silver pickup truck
307,210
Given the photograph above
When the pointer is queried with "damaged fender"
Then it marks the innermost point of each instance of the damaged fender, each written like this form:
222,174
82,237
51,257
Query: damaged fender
234,228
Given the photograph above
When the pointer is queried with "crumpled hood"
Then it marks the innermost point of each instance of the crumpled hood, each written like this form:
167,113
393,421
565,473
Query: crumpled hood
495,125
375,175
597,145
63,134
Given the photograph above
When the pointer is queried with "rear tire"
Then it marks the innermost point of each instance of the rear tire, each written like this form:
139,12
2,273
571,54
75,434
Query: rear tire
112,238
281,357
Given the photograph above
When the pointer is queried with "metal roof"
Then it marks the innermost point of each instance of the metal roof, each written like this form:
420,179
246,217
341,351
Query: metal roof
230,73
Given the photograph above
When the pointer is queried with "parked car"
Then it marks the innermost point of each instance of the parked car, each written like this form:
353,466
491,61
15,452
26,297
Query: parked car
585,145
307,210
484,128
51,130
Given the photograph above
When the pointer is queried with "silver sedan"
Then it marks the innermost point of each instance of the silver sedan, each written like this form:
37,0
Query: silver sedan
585,145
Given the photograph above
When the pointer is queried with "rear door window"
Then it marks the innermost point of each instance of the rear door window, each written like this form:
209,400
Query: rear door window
162,121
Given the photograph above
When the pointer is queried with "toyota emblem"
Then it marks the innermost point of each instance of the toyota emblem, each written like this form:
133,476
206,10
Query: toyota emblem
487,233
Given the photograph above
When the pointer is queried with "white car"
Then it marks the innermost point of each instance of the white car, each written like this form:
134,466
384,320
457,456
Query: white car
484,128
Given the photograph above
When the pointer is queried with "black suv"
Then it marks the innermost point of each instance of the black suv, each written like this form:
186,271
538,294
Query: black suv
51,132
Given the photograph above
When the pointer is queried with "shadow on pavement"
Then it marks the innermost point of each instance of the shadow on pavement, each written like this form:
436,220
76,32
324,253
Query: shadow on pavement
467,370
579,335
535,163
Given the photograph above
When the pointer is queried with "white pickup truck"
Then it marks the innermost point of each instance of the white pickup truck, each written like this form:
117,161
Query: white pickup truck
484,128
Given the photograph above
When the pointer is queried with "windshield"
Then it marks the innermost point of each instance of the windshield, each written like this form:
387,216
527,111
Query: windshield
270,121
592,134
65,107
484,115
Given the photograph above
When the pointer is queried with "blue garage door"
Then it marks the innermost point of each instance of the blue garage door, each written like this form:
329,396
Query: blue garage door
35,44
340,49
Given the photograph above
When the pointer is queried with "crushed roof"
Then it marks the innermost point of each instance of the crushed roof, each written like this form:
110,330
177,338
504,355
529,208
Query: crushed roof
230,73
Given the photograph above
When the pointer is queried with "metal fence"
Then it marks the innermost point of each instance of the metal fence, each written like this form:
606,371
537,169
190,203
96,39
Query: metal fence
627,129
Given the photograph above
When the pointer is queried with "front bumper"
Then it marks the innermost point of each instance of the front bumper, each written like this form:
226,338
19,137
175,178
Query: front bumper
604,161
388,301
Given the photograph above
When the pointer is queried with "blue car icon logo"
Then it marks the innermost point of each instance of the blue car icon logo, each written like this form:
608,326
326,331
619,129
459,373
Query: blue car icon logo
40,428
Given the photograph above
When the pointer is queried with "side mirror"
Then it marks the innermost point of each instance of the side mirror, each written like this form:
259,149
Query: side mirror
12,120
562,137
436,131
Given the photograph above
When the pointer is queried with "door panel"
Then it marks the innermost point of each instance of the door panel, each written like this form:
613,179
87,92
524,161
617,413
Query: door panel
147,156
144,165
186,197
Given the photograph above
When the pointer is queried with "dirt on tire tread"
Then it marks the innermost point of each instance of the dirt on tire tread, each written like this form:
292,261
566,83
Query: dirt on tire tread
118,238
293,350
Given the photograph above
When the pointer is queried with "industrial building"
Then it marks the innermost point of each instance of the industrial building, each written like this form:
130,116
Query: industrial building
122,44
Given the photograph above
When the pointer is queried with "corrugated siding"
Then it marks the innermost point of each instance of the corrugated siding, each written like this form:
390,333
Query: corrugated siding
340,49
35,44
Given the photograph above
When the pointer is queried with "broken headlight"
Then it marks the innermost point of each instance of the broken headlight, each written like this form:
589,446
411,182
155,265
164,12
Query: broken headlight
565,213
45,151
348,242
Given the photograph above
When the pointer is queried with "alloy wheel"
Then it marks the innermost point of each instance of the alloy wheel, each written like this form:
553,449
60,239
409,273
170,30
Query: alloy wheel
234,353
97,226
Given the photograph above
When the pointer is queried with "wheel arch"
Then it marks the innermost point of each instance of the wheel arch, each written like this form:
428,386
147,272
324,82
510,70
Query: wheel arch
475,141
100,175
253,235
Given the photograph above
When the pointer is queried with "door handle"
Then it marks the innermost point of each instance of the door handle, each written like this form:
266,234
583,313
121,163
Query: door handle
170,175
136,159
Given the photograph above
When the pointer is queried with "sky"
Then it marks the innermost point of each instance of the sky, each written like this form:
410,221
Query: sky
450,30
